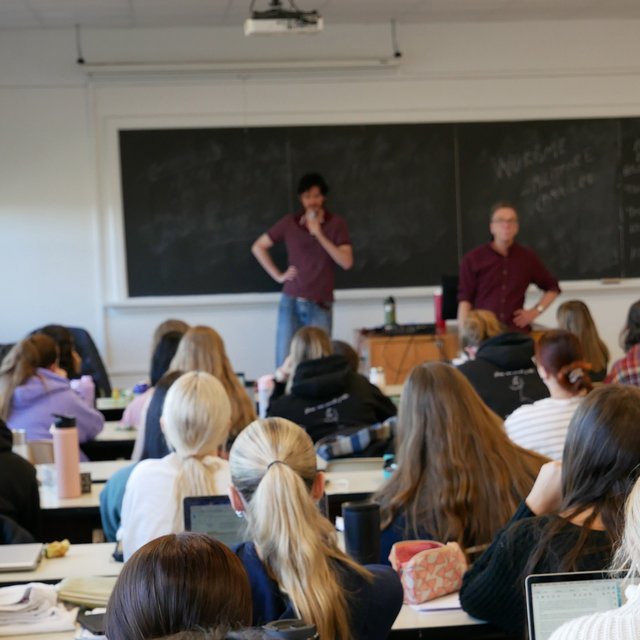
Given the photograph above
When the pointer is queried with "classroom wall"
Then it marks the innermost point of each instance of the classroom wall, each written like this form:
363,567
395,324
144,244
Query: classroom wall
61,239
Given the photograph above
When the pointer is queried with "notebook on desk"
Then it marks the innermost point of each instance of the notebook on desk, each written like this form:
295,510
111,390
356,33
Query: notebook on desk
20,557
556,598
214,516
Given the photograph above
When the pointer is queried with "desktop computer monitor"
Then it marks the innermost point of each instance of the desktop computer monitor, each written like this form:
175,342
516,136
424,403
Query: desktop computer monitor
449,297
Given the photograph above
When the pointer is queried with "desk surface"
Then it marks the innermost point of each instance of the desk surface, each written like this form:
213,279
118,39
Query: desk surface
113,432
49,499
343,482
81,560
100,470
95,560
105,404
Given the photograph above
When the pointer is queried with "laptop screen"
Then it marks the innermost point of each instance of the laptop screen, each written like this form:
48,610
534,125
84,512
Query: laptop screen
214,516
553,599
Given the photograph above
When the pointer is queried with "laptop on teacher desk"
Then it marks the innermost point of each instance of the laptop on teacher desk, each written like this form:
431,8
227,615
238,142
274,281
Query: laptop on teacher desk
556,598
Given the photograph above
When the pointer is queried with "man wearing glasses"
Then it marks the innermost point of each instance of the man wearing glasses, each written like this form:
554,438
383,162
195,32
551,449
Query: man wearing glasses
496,276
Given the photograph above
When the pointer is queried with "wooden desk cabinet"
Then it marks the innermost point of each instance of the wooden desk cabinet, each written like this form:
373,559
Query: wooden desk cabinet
397,355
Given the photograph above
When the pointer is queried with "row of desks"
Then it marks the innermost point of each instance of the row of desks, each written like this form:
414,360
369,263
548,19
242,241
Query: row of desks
84,560
349,481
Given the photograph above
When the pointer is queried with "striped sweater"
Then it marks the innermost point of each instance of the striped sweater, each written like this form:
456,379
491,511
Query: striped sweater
542,426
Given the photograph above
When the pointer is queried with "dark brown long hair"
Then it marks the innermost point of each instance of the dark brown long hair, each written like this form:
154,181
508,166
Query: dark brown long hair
459,477
630,335
600,464
178,582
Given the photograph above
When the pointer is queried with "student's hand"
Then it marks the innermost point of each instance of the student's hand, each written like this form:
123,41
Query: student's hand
284,370
546,494
58,371
290,274
524,317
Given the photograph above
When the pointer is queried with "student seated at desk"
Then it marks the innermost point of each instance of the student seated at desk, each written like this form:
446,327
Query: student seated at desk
542,426
195,419
19,495
572,517
500,366
154,446
175,583
202,349
135,413
574,316
294,563
626,370
33,388
458,477
165,342
622,623
323,393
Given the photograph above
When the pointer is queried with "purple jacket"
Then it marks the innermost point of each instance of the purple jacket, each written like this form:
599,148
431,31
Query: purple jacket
44,394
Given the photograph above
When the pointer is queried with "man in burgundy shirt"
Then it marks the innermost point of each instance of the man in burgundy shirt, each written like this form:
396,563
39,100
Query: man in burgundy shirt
496,276
316,241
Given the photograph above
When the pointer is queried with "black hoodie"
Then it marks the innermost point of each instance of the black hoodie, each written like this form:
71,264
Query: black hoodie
19,497
504,374
326,395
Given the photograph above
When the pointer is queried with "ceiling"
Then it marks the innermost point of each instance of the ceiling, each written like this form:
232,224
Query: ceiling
52,14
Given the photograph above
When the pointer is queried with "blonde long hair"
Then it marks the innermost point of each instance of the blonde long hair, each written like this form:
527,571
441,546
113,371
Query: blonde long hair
627,556
459,476
195,419
202,349
21,363
478,326
574,316
308,343
273,466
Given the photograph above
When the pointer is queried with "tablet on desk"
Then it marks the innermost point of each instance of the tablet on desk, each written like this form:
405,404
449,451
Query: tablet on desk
20,557
214,516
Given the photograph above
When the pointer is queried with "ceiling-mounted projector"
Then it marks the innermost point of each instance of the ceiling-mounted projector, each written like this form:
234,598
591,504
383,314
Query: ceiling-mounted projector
278,20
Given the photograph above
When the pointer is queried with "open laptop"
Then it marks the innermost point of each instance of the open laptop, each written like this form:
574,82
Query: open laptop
20,557
214,516
556,598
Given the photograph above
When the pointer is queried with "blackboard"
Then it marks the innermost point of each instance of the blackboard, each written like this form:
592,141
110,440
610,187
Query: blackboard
415,196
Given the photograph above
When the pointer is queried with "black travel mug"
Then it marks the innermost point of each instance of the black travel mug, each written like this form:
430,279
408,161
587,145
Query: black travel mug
362,531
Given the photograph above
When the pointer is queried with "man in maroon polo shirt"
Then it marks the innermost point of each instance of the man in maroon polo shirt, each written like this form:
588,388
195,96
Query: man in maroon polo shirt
496,276
316,241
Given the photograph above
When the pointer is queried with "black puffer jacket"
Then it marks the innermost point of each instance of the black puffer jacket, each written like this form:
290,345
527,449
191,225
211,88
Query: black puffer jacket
504,374
326,395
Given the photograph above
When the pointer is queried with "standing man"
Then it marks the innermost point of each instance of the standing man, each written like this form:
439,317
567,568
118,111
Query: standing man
316,241
496,276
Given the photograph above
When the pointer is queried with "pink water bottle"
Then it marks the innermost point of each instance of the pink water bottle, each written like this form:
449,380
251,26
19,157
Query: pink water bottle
66,456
